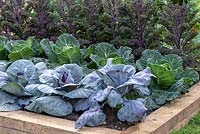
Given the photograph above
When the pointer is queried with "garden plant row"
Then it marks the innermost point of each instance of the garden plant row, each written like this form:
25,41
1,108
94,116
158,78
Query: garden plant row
61,78
167,25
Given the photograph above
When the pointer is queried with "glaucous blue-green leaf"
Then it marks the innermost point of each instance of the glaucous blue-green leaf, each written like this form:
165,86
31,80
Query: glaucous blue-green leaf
48,90
49,77
114,98
3,65
101,95
79,93
132,111
6,98
84,104
52,105
14,89
18,79
103,50
33,89
173,60
188,73
68,87
161,97
36,60
3,78
91,79
92,117
126,54
142,89
9,107
67,40
22,68
115,78
24,101
63,75
165,75
148,54
48,48
76,72
40,68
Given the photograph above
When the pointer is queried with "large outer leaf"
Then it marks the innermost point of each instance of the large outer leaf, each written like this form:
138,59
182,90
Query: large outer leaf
7,98
9,107
67,40
20,49
165,77
48,48
161,97
3,79
14,89
48,90
114,98
24,53
126,54
52,105
33,89
188,73
152,55
173,60
69,54
22,68
132,111
76,72
105,51
49,77
79,93
92,117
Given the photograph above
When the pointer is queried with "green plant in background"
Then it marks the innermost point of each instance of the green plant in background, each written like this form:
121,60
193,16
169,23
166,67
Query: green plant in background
140,20
13,18
179,21
171,78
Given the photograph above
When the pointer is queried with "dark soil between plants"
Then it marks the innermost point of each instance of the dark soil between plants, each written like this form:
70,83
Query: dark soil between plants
111,119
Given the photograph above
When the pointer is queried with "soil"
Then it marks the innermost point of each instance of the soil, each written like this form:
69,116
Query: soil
111,119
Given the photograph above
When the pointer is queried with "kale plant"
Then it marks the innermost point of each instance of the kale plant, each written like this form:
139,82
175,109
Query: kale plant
179,21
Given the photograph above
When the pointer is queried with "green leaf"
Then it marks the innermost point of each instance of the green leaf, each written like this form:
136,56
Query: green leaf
67,40
148,55
69,55
165,76
3,51
188,73
24,53
126,54
14,89
173,60
48,48
88,51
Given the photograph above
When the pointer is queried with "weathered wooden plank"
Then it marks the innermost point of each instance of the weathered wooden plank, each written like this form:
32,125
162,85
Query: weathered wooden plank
170,116
21,122
161,121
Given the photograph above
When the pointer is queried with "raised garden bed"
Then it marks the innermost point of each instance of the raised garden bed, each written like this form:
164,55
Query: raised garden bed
168,117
